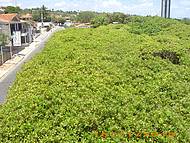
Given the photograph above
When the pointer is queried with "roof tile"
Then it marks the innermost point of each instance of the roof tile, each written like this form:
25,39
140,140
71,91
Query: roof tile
7,17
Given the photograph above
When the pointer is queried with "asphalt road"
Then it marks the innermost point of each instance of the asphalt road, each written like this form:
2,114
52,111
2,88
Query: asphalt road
8,80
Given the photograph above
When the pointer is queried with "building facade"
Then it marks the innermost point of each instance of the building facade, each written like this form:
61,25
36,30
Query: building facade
18,32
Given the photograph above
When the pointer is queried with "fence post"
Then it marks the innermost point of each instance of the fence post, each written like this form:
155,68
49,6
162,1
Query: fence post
2,60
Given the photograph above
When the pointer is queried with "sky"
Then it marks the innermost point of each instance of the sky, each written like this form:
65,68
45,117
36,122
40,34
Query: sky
180,8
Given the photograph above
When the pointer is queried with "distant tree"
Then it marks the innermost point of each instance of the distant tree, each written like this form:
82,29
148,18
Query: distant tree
186,21
108,18
61,20
101,19
12,9
118,17
85,16
37,13
26,11
44,11
58,19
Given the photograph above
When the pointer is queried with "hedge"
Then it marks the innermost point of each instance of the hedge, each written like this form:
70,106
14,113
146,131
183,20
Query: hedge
103,85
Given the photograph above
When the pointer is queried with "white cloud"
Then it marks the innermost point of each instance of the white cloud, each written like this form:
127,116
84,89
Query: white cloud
185,3
60,4
6,0
146,6
111,4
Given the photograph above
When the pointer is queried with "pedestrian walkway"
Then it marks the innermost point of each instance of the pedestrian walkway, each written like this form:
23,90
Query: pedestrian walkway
20,56
9,69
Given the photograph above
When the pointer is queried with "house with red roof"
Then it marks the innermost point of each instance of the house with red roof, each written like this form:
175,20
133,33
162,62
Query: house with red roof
18,32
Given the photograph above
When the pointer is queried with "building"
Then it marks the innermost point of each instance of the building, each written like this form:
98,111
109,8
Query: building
83,25
1,11
26,17
68,23
43,25
18,32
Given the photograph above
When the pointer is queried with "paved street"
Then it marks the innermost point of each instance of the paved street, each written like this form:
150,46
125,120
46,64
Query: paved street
7,80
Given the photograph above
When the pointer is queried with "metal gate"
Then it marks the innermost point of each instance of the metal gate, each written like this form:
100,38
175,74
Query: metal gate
6,53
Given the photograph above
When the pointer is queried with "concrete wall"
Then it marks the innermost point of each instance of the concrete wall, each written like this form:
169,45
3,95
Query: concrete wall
4,28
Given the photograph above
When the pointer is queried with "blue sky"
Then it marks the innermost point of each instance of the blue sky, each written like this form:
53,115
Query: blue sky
180,8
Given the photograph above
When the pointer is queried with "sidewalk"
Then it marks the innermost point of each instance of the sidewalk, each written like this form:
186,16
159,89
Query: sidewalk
10,64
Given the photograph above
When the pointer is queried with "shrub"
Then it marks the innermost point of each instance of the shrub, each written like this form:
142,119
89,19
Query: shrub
91,85
172,56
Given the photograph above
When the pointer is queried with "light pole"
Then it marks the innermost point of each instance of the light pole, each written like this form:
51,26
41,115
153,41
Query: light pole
162,8
42,19
165,8
169,8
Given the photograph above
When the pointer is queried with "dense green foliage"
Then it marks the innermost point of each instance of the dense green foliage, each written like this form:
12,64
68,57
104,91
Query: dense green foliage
101,19
12,9
85,16
149,25
104,85
98,19
38,12
186,21
109,18
56,16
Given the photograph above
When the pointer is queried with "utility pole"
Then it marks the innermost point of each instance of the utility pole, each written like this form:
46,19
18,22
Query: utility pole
165,8
11,49
169,9
42,16
2,59
42,19
162,8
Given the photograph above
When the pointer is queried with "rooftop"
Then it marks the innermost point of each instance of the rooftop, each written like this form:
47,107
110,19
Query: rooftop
8,18
26,16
